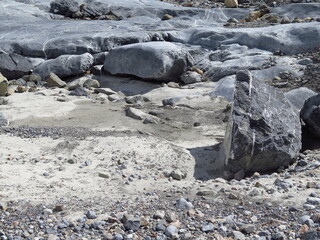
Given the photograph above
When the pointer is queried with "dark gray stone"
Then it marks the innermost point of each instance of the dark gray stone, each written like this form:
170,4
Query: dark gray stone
264,131
313,200
282,184
64,7
311,235
162,61
310,114
248,228
98,58
65,65
130,223
91,214
169,102
14,66
160,227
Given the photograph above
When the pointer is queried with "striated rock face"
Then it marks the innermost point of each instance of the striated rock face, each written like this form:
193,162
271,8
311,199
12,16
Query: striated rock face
264,130
161,61
310,114
65,65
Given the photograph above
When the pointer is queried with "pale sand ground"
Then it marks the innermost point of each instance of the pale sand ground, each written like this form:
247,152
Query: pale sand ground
37,169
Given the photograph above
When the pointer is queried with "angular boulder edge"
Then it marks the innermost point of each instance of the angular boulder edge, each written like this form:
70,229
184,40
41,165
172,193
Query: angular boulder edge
264,130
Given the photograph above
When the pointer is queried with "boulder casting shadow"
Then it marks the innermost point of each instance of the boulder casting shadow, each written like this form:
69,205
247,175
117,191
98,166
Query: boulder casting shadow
264,130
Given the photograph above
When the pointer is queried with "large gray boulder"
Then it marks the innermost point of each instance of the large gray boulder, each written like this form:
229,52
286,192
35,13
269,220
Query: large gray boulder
161,61
264,130
14,66
298,96
310,114
65,65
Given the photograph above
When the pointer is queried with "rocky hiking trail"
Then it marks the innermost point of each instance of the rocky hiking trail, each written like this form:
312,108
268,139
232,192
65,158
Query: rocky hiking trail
159,120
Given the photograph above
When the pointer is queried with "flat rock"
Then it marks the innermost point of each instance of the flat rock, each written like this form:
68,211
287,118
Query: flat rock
14,66
264,130
162,61
310,114
65,65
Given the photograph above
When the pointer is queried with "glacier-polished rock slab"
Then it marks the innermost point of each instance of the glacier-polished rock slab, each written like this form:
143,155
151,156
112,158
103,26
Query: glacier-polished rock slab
264,131
29,30
288,38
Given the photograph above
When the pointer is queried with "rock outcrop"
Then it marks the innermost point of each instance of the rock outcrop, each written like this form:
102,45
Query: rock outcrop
310,114
65,65
264,131
162,61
